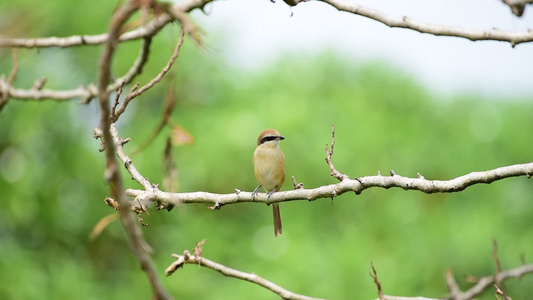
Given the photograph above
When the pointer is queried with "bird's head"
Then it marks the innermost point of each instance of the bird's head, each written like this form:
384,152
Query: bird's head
269,138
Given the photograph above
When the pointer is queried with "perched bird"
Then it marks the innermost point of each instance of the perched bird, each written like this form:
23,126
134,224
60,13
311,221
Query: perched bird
269,167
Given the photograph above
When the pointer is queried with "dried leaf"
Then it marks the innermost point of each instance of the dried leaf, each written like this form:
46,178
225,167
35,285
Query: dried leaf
101,225
198,248
180,136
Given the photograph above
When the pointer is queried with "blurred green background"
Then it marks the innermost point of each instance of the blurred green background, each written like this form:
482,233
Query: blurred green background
52,186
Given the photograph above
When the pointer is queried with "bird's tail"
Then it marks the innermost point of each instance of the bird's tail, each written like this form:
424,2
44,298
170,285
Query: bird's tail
277,219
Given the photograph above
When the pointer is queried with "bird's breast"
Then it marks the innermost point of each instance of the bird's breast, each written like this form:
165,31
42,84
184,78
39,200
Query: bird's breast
269,166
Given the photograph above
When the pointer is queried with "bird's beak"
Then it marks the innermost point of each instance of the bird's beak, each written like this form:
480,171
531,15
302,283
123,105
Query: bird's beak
281,137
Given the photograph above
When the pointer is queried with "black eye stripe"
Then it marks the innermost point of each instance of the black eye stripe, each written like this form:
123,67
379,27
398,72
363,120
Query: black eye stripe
268,138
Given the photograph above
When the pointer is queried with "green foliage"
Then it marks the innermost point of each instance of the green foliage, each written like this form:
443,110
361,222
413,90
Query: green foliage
52,187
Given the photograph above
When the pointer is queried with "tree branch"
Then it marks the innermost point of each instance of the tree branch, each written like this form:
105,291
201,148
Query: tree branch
147,30
112,174
484,282
187,258
135,93
514,38
137,66
328,191
358,185
85,93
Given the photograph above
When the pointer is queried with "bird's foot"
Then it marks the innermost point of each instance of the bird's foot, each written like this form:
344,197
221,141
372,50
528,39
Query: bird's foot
254,193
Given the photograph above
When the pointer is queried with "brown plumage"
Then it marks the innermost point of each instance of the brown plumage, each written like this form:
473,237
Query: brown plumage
269,167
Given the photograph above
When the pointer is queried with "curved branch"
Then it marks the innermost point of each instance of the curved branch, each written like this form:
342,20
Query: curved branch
404,22
329,191
187,258
147,30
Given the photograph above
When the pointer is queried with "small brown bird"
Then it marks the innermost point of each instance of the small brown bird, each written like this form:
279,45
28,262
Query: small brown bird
269,167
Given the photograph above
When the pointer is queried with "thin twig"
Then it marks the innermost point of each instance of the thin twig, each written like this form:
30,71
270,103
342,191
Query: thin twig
187,258
170,102
500,292
133,94
484,283
15,68
374,275
136,68
329,153
498,266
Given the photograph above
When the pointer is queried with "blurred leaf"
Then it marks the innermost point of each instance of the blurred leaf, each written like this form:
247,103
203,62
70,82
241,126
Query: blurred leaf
180,136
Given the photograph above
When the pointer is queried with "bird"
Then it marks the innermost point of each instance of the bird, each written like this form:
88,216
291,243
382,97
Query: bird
269,168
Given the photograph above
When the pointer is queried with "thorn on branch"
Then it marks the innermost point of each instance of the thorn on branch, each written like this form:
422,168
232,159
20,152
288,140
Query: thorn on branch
125,141
39,84
217,206
139,210
392,173
297,185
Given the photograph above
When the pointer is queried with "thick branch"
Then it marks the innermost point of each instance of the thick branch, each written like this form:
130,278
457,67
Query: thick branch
134,234
328,191
187,258
404,22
